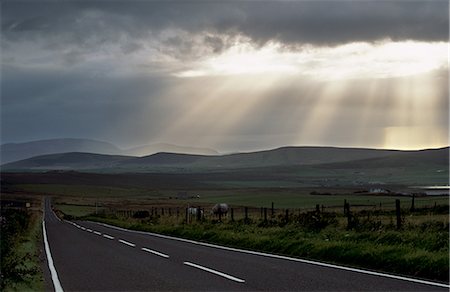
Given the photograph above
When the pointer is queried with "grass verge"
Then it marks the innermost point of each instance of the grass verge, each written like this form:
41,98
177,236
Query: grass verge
20,238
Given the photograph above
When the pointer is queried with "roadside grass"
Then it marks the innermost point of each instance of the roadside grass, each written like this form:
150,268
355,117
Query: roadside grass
419,249
20,264
77,210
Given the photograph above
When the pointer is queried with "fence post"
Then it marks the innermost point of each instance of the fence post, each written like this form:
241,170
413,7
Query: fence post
398,213
412,202
317,208
273,211
178,212
187,215
349,216
262,211
199,214
265,214
346,207
286,216
246,214
232,215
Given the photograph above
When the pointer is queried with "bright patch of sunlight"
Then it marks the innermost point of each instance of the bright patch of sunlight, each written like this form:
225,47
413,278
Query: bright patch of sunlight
360,60
413,138
245,59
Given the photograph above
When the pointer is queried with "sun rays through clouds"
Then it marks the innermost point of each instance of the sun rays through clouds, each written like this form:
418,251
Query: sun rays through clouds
384,94
234,76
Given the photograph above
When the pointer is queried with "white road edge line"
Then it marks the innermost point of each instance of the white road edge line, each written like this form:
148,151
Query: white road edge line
98,233
108,236
367,272
127,243
54,274
214,272
54,214
155,252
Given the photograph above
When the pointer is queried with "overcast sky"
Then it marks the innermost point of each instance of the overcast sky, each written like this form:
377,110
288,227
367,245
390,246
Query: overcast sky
234,76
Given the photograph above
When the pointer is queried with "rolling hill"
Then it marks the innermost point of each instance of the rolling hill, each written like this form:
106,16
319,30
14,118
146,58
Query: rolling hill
67,161
421,158
170,148
276,157
18,151
327,157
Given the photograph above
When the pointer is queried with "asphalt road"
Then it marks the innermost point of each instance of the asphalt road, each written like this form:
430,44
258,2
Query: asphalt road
90,256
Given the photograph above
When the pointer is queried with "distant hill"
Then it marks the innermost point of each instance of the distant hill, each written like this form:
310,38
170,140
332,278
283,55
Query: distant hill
18,151
169,148
437,157
326,157
67,161
277,157
297,156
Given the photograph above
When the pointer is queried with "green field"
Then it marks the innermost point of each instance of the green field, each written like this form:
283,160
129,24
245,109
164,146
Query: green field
299,198
78,210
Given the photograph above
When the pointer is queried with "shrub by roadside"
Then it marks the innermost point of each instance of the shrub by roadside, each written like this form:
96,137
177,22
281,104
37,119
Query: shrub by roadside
20,236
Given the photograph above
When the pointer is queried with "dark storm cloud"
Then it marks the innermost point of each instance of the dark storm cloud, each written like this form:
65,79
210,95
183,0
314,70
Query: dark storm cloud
40,104
290,22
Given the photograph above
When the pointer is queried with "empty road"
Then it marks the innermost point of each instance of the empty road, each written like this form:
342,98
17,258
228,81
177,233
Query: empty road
91,256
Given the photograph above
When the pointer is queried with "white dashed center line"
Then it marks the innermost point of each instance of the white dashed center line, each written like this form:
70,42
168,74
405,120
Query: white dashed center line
98,233
108,236
127,243
90,230
215,272
155,252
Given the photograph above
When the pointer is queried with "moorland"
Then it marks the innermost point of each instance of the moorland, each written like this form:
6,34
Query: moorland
287,201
